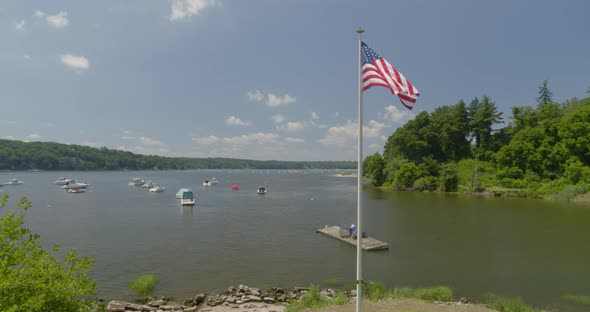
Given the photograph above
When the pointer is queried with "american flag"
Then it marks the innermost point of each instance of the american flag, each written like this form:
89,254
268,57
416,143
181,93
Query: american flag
377,71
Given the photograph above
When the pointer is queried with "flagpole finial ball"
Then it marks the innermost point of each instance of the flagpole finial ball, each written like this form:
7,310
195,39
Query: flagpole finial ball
360,30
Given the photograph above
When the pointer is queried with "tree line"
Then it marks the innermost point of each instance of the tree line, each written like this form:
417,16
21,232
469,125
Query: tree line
540,151
18,155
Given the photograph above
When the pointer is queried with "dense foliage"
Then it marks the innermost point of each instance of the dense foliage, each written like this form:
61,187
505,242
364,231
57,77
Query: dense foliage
31,278
541,151
18,155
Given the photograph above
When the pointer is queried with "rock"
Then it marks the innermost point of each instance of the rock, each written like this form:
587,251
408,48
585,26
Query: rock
353,293
332,292
230,289
300,289
254,298
281,298
170,307
464,300
239,302
191,309
255,292
269,299
278,290
188,303
241,288
249,306
121,306
199,298
156,303
116,306
231,299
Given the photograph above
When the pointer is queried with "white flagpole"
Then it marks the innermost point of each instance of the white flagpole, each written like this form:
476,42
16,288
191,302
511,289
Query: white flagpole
359,228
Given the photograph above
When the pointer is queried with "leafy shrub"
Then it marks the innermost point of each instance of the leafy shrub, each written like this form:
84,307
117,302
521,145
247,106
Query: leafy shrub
375,291
437,293
406,175
143,285
505,304
32,279
449,179
570,192
341,298
404,292
310,300
428,183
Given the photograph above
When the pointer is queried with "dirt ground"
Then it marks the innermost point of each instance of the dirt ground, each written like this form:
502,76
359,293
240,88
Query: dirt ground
401,305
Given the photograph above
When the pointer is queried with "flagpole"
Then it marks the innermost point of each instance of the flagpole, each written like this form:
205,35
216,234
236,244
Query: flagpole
359,229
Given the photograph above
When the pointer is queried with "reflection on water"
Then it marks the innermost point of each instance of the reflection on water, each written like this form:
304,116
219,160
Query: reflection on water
535,249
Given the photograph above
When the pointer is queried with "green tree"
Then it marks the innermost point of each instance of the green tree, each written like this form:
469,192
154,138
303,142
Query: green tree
449,178
406,175
483,115
373,168
32,279
545,95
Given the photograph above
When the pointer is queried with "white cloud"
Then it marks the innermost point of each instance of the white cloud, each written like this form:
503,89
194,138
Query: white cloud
255,96
340,135
76,62
315,116
235,121
292,126
20,25
33,136
392,113
272,100
185,9
39,13
276,101
294,140
9,137
26,56
374,146
383,138
260,138
150,141
278,118
207,140
58,20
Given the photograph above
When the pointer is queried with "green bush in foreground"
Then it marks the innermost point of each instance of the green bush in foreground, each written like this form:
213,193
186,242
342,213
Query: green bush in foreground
375,291
504,304
31,278
309,300
437,293
144,285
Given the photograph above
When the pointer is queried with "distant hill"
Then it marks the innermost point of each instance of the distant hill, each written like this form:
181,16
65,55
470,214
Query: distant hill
18,155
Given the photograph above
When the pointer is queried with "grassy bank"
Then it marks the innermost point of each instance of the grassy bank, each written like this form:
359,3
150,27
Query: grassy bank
437,298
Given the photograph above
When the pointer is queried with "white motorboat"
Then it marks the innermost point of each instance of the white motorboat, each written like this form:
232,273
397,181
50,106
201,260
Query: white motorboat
76,190
62,181
207,183
187,199
213,181
148,184
75,185
14,182
261,190
136,182
157,189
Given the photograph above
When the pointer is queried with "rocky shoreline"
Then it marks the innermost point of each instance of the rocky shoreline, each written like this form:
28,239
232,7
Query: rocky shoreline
240,298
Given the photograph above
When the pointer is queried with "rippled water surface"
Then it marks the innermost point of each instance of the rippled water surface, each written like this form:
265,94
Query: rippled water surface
535,249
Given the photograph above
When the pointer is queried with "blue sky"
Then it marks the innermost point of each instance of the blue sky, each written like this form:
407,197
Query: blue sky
269,79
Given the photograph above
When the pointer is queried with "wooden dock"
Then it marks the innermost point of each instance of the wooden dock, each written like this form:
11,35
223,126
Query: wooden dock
369,243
